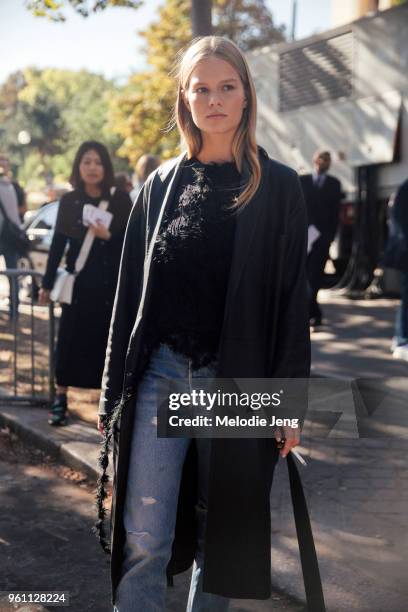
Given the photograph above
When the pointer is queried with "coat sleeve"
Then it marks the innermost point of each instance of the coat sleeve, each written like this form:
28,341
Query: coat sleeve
56,252
125,306
59,240
400,209
292,347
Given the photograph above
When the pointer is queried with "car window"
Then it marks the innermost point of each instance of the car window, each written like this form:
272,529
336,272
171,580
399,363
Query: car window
46,218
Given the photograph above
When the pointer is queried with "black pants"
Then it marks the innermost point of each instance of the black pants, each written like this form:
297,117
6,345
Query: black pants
316,262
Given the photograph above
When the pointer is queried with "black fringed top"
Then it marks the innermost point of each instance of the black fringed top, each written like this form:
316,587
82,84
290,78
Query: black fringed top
192,260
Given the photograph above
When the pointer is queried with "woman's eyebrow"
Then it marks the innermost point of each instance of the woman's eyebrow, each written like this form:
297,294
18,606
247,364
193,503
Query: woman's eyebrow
223,81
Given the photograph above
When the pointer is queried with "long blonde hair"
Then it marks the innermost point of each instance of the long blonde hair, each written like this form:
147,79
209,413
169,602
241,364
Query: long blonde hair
244,147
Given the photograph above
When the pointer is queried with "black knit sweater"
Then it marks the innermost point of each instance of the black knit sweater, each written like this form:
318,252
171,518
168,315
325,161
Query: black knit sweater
192,260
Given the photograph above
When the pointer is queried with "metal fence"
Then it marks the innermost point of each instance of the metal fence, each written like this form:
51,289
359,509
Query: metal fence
16,308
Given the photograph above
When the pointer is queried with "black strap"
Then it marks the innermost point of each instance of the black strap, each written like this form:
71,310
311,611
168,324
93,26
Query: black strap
308,557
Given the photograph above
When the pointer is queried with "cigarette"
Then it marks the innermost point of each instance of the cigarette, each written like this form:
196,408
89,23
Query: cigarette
298,457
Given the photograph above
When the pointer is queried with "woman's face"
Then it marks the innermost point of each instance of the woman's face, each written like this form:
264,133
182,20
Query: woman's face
91,168
215,97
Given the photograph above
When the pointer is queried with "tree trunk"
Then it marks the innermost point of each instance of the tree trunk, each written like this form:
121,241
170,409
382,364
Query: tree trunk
201,17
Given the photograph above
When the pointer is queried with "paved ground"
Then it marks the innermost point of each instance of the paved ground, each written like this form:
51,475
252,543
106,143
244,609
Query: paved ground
357,489
355,341
357,492
46,541
45,531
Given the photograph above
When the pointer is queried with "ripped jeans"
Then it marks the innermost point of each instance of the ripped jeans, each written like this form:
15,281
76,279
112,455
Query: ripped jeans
154,478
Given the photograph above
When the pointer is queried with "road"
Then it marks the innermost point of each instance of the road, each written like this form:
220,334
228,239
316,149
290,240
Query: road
46,542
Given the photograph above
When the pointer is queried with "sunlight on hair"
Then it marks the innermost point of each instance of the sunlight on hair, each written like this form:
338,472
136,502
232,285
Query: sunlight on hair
244,147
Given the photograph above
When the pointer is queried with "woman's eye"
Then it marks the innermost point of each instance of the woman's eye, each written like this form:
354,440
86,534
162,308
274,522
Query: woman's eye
201,90
228,87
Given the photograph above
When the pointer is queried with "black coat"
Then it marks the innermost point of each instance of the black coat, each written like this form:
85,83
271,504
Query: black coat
265,334
323,205
84,324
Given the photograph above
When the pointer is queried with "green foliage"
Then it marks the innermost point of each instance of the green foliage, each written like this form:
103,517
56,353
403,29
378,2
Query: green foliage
60,109
53,9
248,23
140,113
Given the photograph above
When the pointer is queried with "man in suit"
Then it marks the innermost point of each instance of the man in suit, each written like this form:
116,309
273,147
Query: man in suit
323,195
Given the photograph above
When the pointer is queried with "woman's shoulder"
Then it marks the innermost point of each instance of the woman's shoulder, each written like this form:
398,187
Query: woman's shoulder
69,196
276,169
68,200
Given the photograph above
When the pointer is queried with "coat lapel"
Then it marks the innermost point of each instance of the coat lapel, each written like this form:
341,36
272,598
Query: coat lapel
246,224
154,220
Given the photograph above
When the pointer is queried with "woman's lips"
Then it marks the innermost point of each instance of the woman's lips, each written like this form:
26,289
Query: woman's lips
216,116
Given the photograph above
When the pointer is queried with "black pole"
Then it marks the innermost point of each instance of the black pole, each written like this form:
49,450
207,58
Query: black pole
201,24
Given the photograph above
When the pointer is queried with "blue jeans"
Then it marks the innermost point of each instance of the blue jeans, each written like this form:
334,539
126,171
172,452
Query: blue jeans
154,478
11,259
401,321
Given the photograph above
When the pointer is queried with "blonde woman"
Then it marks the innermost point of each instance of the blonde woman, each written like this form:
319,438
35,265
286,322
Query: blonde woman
212,283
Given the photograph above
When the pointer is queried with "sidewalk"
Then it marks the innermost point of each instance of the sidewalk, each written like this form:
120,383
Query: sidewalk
357,489
355,340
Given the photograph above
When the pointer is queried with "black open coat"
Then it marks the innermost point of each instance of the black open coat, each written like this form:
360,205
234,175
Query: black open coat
265,334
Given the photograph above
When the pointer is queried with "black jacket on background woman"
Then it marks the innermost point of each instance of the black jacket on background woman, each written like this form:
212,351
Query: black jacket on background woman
265,334
84,324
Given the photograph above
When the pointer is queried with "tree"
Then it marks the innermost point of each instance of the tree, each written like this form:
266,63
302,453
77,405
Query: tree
53,9
59,109
140,113
248,23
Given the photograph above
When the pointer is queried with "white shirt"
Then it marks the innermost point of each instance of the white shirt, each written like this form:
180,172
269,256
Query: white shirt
318,179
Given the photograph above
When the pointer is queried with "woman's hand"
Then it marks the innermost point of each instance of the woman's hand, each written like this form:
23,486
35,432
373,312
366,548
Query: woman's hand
44,297
100,231
291,436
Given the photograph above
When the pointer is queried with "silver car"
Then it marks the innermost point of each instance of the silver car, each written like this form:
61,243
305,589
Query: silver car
39,227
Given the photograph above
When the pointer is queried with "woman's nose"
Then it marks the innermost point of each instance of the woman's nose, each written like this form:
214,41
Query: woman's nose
214,99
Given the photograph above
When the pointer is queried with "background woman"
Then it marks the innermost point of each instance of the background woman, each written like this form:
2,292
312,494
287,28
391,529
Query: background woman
212,283
84,324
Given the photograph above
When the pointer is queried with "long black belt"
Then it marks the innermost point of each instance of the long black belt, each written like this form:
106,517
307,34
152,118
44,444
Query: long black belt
308,557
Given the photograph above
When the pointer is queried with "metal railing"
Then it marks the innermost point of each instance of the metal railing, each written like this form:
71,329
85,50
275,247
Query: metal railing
15,310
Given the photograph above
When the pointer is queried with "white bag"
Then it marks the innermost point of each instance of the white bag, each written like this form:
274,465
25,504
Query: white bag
64,282
63,287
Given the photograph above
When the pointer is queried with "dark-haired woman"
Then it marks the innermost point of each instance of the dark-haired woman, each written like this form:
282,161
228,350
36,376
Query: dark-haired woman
84,324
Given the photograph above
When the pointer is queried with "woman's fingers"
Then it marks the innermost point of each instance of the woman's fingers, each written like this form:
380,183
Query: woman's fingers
289,444
287,438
